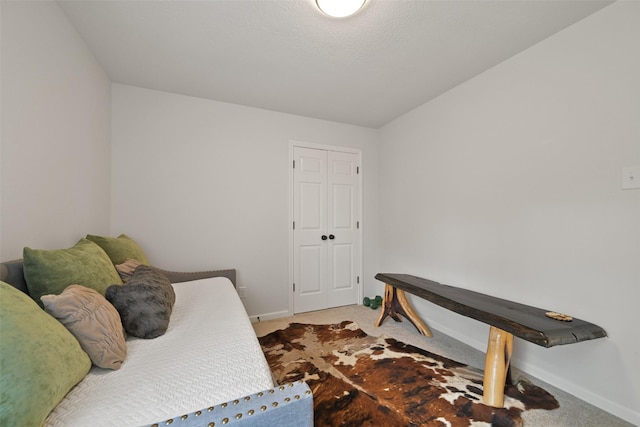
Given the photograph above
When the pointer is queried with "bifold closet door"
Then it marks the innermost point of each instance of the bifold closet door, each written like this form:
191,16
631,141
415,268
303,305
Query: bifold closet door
326,238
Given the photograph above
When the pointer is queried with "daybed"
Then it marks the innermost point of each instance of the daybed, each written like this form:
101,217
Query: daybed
207,369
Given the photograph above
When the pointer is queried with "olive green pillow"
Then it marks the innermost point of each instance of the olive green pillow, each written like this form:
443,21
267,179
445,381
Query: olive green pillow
41,361
120,249
51,271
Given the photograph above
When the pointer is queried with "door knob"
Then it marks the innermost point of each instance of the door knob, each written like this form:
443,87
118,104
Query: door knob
331,236
324,237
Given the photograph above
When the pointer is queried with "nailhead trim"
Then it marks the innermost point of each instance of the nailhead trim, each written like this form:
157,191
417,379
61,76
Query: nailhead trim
237,402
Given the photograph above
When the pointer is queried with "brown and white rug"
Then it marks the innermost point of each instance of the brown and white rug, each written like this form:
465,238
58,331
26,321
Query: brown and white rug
360,380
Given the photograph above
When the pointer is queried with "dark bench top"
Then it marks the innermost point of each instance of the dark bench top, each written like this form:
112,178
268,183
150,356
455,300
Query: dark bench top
523,321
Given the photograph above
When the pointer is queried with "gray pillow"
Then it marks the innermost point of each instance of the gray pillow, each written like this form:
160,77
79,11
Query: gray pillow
145,302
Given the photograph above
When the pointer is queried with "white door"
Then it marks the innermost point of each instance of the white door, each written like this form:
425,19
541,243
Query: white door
325,235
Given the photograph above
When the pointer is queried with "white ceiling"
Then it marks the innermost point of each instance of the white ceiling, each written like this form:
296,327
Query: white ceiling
285,55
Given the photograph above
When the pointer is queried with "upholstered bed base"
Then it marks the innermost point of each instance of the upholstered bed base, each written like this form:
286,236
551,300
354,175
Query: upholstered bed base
12,272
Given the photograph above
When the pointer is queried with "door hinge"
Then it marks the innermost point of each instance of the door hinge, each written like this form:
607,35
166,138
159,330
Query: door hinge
294,225
294,287
294,164
358,279
358,225
357,170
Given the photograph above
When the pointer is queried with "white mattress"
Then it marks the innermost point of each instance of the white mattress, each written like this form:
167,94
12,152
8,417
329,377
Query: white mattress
209,355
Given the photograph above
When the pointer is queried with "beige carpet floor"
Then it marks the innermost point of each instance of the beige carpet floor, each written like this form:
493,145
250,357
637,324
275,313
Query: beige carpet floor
572,411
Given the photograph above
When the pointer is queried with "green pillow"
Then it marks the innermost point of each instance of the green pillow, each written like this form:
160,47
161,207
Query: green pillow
120,249
51,271
40,360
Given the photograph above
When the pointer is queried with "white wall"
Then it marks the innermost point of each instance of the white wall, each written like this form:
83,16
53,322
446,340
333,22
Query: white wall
204,184
55,132
510,184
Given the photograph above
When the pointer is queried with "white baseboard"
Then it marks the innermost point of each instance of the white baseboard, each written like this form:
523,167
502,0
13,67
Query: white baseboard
601,402
268,316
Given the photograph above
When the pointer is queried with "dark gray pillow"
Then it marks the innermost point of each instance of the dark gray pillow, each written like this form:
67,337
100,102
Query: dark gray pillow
144,302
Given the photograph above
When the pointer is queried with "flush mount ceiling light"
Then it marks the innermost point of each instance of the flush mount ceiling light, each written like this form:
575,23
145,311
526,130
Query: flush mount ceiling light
340,8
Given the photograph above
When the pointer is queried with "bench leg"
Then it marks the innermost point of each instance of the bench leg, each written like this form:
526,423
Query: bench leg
496,366
395,302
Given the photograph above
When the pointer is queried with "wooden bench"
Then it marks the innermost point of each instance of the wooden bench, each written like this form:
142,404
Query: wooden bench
506,319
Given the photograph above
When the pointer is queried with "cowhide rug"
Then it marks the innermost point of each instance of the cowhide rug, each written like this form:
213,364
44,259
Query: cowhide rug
359,380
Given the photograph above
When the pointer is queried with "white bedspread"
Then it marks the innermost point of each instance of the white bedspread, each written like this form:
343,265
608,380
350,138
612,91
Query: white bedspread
209,355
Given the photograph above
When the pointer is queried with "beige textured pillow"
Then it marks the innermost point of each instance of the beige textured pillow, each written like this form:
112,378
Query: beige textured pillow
93,321
126,269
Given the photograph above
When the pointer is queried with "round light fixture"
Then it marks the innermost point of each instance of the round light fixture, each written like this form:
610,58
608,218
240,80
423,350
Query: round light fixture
340,8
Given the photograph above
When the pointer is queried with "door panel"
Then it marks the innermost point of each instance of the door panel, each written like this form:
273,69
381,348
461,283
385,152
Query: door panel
311,206
341,166
310,217
342,273
343,217
310,277
325,203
